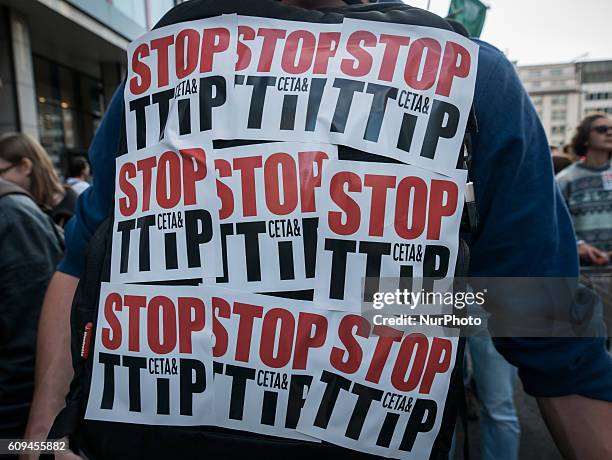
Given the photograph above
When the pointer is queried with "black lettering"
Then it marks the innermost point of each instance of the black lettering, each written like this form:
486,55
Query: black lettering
109,362
239,375
139,105
345,100
134,364
421,420
192,380
251,231
144,223
125,227
382,94
196,219
335,383
436,129
208,85
260,87
365,396
296,399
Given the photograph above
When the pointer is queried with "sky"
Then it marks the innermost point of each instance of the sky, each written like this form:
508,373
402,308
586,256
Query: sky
544,31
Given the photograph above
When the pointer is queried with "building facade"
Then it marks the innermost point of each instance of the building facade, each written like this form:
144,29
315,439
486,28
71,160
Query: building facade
60,62
596,77
564,93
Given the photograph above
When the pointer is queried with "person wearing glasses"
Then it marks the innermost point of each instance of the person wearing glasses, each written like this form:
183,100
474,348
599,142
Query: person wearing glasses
587,188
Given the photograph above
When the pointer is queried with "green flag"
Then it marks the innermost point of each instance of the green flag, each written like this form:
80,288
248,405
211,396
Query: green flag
470,13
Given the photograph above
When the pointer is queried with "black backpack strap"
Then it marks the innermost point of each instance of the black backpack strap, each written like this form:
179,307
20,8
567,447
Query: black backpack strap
82,321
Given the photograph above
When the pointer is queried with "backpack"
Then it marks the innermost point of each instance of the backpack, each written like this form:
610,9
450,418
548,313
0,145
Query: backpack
100,439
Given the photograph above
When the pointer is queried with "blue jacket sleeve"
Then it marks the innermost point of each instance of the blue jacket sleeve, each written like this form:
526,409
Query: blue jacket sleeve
526,230
95,203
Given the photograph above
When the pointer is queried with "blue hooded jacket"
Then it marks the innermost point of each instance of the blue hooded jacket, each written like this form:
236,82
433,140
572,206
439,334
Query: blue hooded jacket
525,228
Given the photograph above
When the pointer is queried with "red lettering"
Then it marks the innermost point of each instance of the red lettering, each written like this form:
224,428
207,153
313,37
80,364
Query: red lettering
134,304
246,166
272,184
386,337
221,309
453,67
129,203
437,363
430,66
111,337
379,185
168,190
345,202
146,166
194,170
190,319
244,52
362,63
247,315
411,195
142,82
439,207
306,338
224,169
326,49
187,52
309,180
392,43
161,45
308,43
349,360
215,40
270,38
165,342
275,319
413,344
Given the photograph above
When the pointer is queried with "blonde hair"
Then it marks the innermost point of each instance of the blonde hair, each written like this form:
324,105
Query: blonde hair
44,181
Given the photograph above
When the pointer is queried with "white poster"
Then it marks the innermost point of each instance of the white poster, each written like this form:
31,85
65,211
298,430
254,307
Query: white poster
281,79
379,391
166,224
178,81
262,360
269,215
385,221
152,358
402,91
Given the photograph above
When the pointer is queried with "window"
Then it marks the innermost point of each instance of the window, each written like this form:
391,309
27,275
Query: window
558,115
70,106
560,129
559,100
537,100
598,96
534,73
556,72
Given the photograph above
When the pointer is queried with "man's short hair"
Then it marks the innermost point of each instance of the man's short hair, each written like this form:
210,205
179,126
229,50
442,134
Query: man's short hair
77,165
